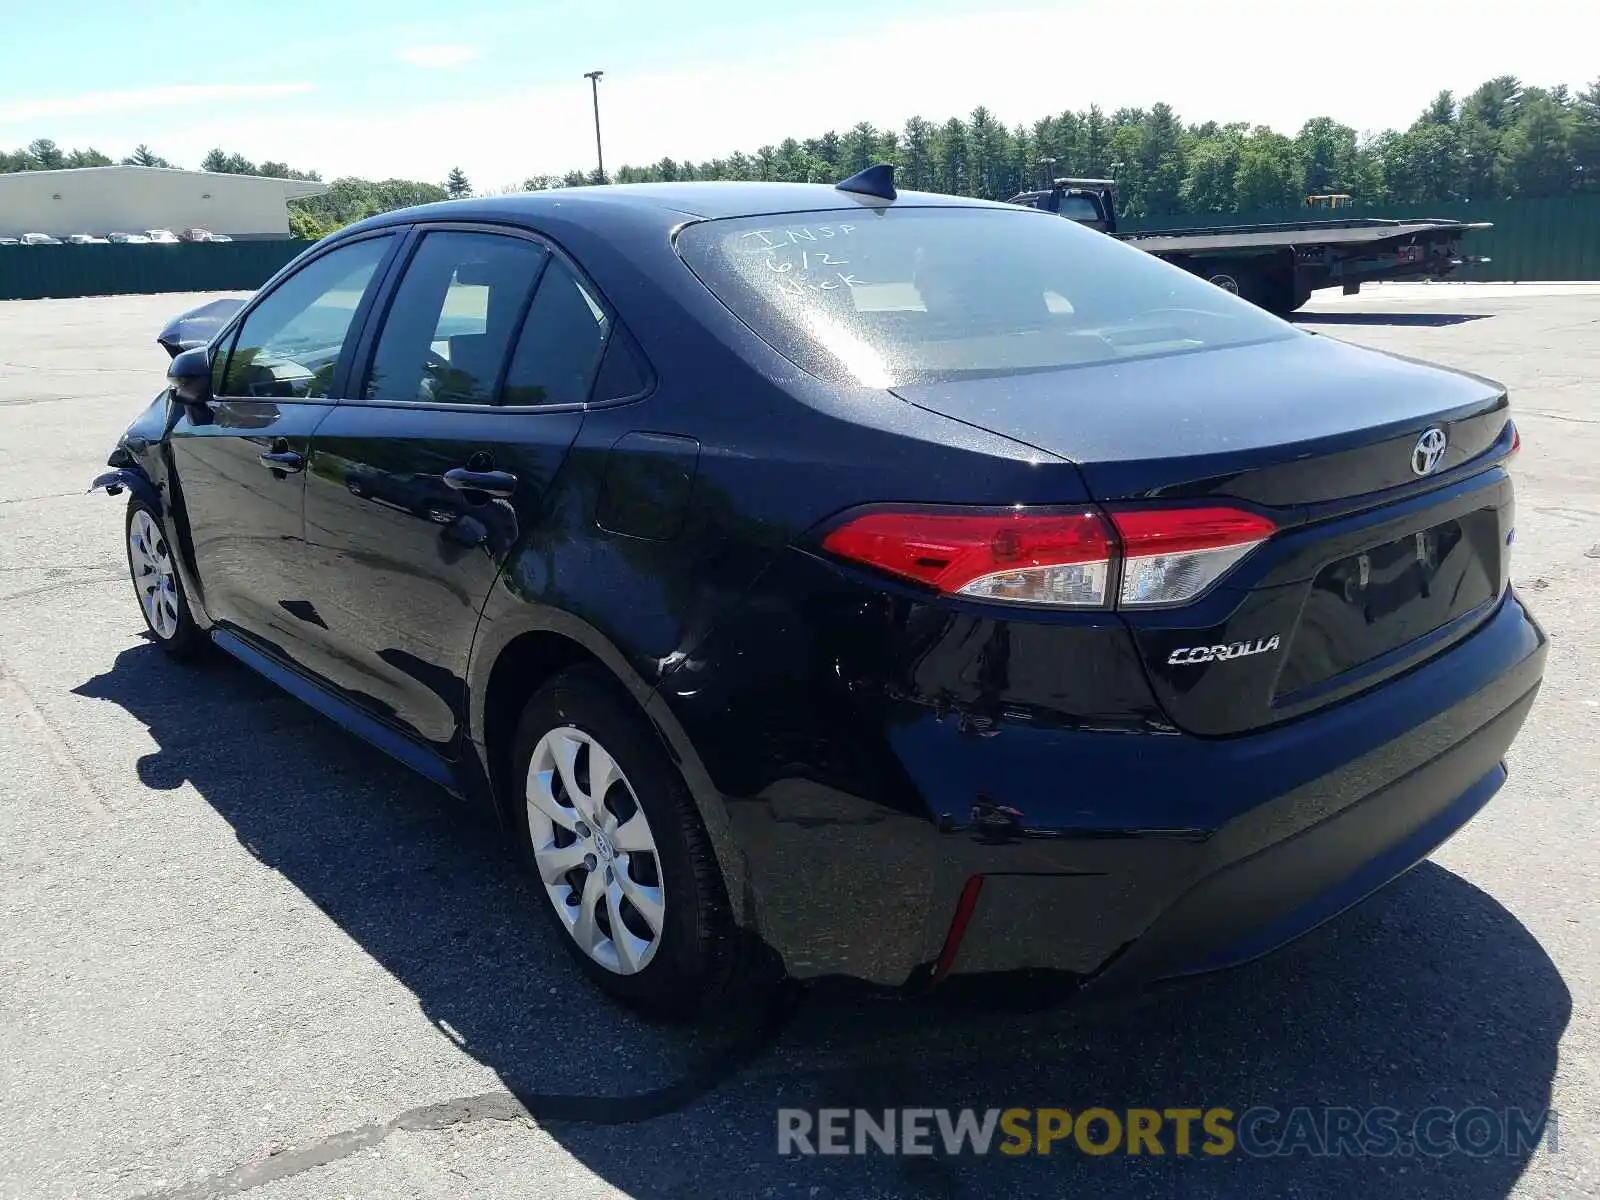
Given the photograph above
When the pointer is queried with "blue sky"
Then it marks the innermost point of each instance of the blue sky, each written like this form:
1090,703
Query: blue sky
353,87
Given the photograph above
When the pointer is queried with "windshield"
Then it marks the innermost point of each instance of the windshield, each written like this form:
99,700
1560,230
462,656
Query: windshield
890,296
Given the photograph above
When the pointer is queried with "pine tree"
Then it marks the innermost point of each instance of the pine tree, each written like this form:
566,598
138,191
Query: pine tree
143,156
457,185
916,155
46,155
223,163
1096,137
950,157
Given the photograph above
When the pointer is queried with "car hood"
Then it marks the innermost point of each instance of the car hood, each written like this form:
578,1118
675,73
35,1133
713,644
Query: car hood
197,326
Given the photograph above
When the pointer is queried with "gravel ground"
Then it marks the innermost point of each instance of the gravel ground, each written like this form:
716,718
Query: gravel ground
239,952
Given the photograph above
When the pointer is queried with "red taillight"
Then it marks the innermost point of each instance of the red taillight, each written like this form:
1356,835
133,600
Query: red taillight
1171,555
1012,554
1516,442
1179,530
1057,559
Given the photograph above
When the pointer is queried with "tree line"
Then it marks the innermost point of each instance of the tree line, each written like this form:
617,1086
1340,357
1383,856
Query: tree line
1503,140
44,155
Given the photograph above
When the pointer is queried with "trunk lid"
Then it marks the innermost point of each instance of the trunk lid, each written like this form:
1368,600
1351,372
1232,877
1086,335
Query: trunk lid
1297,421
1375,567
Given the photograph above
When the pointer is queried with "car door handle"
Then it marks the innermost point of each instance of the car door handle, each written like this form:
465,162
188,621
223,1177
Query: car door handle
490,483
286,461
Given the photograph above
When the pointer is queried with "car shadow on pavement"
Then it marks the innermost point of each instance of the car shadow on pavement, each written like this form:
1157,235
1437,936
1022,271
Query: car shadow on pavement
1414,319
1430,996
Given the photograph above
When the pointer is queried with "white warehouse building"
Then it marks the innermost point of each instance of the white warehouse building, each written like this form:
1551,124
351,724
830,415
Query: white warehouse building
102,200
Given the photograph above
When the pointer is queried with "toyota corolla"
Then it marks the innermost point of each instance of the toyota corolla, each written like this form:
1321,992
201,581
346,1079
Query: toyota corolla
888,585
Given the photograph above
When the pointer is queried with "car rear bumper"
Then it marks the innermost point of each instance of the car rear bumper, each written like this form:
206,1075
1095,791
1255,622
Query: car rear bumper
1113,856
1233,909
1172,903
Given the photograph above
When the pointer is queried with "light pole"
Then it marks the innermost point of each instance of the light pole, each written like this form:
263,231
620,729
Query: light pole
594,85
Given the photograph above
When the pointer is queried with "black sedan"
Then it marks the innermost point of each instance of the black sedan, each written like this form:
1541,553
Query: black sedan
843,582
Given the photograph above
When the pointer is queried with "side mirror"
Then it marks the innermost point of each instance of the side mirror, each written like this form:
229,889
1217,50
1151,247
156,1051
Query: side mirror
189,376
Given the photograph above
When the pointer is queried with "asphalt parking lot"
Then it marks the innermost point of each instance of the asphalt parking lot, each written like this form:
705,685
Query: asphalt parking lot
242,953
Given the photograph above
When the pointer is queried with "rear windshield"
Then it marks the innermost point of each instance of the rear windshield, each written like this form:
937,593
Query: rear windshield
1080,208
889,296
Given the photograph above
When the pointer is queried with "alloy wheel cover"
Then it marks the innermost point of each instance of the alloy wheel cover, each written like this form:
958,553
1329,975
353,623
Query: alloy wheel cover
594,850
154,578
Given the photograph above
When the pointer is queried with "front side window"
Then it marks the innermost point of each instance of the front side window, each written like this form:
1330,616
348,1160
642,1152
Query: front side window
453,319
881,297
290,345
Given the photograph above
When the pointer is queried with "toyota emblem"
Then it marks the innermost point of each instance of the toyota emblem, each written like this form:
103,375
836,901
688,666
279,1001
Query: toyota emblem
1429,451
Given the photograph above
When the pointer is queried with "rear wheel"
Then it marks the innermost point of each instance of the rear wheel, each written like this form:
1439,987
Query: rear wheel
619,853
157,586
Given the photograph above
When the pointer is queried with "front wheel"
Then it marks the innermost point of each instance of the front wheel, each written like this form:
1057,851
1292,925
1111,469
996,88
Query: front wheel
619,852
157,586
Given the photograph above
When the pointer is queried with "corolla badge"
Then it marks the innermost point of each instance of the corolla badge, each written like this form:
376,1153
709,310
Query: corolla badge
1428,453
1201,654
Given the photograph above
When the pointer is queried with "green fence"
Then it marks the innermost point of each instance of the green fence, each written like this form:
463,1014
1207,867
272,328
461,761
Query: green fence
34,272
1531,239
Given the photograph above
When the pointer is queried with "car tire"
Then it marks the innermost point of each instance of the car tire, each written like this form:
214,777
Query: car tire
157,585
695,961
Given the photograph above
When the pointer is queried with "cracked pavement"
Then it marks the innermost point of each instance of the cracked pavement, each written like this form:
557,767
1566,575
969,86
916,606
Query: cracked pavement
242,954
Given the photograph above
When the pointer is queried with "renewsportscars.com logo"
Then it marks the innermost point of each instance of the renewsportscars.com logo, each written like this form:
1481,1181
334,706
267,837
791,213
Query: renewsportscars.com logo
1257,1132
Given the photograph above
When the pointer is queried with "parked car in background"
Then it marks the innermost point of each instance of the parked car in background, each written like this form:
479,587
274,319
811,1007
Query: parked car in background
128,239
40,239
196,234
9,241
162,237
85,239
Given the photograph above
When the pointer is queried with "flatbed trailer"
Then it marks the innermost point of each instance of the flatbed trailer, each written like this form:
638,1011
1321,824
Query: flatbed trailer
1279,265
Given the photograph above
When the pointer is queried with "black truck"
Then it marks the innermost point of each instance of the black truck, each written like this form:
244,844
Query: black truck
1276,266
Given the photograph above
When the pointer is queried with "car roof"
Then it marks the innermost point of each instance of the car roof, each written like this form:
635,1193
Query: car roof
672,202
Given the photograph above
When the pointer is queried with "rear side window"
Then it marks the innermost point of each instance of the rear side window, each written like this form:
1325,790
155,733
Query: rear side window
889,296
453,317
290,345
623,373
561,345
